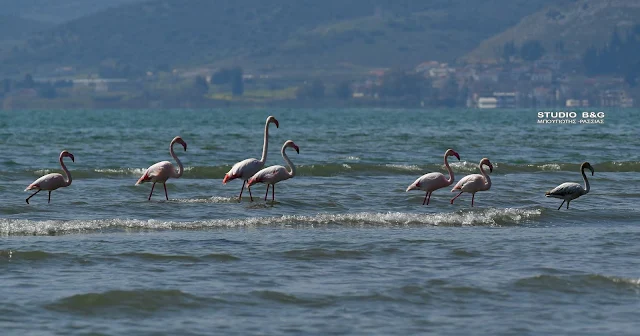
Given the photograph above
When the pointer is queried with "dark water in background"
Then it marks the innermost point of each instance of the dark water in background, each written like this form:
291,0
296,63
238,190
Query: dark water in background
344,250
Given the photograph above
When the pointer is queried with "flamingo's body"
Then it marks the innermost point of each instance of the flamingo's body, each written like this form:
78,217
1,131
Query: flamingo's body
434,181
53,181
474,182
274,174
162,171
569,191
245,169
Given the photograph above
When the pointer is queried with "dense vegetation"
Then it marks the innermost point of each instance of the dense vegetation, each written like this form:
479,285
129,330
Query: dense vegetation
255,33
618,57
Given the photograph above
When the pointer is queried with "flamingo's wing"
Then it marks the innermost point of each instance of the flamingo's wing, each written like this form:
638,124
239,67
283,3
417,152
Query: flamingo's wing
156,171
428,181
47,182
244,169
468,180
567,188
271,174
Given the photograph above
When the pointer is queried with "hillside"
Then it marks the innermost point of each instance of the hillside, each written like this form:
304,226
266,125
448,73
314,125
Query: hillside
282,33
56,11
14,28
577,25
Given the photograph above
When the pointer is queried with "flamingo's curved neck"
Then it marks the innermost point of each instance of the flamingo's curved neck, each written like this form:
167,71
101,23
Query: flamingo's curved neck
173,155
587,187
66,171
265,144
487,179
286,159
446,163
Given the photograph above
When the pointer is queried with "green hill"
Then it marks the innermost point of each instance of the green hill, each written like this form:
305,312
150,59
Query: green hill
17,28
279,33
576,25
56,11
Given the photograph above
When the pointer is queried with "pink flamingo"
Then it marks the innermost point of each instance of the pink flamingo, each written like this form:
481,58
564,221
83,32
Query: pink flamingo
434,181
249,167
52,181
274,174
474,182
162,171
569,191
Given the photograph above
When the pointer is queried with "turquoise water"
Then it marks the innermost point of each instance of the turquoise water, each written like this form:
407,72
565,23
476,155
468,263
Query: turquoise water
343,250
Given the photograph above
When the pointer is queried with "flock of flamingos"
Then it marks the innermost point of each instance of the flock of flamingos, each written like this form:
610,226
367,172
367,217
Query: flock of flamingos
251,171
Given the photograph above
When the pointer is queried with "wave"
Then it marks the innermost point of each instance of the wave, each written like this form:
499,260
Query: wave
347,168
126,302
484,217
578,283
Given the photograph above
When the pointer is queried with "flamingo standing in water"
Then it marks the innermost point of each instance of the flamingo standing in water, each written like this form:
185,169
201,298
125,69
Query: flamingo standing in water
569,191
162,171
249,167
52,181
474,182
434,181
274,174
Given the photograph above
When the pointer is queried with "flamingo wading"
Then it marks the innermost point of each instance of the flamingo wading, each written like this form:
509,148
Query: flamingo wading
53,181
474,182
162,171
274,174
433,181
569,191
245,169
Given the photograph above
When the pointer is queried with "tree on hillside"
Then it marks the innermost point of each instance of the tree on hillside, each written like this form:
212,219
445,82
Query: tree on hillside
314,89
509,50
400,84
6,85
343,90
531,50
232,76
200,86
28,82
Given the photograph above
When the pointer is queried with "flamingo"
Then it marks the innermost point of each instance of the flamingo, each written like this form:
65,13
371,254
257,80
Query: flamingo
162,171
249,167
474,182
434,181
274,174
52,181
569,191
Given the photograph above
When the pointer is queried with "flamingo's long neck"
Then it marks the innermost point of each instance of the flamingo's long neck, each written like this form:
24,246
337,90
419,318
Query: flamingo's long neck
446,164
265,144
66,171
487,183
587,187
286,159
173,155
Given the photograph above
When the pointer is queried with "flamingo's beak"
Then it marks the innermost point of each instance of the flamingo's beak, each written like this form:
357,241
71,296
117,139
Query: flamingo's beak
72,158
591,168
275,121
490,167
297,149
456,155
185,146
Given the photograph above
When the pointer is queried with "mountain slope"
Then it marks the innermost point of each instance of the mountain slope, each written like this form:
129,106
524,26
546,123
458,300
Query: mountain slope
16,28
302,33
56,11
577,25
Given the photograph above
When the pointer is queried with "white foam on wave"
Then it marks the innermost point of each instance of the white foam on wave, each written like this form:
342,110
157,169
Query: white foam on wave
404,167
486,217
127,171
550,166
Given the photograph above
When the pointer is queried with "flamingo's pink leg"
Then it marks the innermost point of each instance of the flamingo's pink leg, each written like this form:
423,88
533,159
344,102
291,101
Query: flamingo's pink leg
561,204
273,193
49,197
266,193
472,197
151,193
41,189
429,199
456,197
241,190
425,198
165,191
